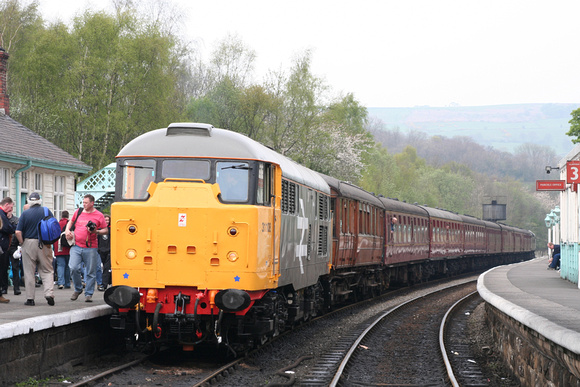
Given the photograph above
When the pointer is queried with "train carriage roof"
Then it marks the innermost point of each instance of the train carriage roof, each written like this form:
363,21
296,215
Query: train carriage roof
442,214
351,191
205,141
489,224
395,205
472,220
515,229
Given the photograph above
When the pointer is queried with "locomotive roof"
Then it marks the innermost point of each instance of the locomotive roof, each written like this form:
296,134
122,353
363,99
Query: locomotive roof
397,206
351,191
442,214
203,140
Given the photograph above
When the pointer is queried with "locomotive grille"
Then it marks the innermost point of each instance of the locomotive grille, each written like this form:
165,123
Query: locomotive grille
285,196
309,249
292,198
288,197
322,207
322,240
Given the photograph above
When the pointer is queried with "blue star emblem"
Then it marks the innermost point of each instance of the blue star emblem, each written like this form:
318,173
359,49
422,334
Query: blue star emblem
125,275
237,278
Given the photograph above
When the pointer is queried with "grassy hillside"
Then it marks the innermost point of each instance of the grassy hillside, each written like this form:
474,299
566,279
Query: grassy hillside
502,127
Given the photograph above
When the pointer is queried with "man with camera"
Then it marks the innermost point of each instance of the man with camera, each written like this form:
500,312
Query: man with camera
90,223
35,256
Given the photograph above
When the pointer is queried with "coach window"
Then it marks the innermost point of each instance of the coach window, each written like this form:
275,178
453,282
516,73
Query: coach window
233,178
137,174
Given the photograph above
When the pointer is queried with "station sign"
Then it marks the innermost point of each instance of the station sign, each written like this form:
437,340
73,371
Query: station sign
573,172
550,185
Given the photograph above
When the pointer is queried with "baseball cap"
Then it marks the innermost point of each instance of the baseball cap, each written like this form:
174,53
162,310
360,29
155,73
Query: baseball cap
34,196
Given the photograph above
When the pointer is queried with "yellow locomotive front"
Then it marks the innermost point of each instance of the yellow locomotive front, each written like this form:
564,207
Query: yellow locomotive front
193,236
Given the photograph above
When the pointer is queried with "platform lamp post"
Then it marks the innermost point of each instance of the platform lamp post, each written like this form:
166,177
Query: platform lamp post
556,212
548,221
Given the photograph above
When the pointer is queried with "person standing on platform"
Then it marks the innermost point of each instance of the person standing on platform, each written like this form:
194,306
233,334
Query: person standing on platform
105,253
15,261
62,254
89,225
33,254
7,229
554,262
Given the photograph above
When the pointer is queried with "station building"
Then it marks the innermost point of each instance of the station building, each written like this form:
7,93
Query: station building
30,163
563,222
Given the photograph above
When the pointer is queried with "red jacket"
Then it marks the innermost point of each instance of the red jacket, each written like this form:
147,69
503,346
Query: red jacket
56,245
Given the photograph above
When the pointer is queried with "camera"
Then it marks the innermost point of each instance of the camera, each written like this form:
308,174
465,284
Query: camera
91,226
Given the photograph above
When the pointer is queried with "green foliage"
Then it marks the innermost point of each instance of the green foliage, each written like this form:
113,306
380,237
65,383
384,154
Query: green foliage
575,126
17,23
286,112
93,88
33,382
381,172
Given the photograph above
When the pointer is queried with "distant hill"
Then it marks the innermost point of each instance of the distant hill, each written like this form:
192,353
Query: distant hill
503,127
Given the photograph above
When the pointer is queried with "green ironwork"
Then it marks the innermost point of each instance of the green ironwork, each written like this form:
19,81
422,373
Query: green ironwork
569,261
101,185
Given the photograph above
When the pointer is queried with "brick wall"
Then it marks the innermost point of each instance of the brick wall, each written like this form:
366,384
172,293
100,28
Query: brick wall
4,102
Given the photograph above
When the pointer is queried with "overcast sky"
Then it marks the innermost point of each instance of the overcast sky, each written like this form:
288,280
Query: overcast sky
404,52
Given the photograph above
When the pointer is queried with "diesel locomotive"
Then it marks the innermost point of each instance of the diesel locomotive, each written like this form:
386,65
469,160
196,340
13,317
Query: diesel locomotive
219,240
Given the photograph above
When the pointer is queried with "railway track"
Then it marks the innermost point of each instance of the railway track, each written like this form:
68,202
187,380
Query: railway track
399,347
402,345
462,369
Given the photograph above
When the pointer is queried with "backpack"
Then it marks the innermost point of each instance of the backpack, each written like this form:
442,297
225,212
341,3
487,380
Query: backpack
48,229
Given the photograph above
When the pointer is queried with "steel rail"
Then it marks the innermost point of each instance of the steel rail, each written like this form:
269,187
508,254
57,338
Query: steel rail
444,322
338,375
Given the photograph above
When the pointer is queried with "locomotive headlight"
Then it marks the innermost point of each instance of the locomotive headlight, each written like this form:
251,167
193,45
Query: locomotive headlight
232,300
131,254
232,231
122,296
233,256
132,229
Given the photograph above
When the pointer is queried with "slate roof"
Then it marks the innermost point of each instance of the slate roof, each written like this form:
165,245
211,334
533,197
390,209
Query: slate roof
19,144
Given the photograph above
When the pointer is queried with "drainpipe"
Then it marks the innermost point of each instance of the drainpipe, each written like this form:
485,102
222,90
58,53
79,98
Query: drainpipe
17,178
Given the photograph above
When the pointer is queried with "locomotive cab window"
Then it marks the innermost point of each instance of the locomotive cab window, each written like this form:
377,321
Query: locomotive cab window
233,178
136,176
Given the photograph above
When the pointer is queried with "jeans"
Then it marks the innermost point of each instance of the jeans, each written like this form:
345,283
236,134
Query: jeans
63,270
90,257
555,261
99,274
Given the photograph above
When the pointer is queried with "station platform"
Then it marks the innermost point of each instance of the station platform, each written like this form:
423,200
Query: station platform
536,297
18,319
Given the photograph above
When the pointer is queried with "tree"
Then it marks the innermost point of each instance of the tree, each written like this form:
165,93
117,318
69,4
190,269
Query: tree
574,126
92,89
17,22
380,173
